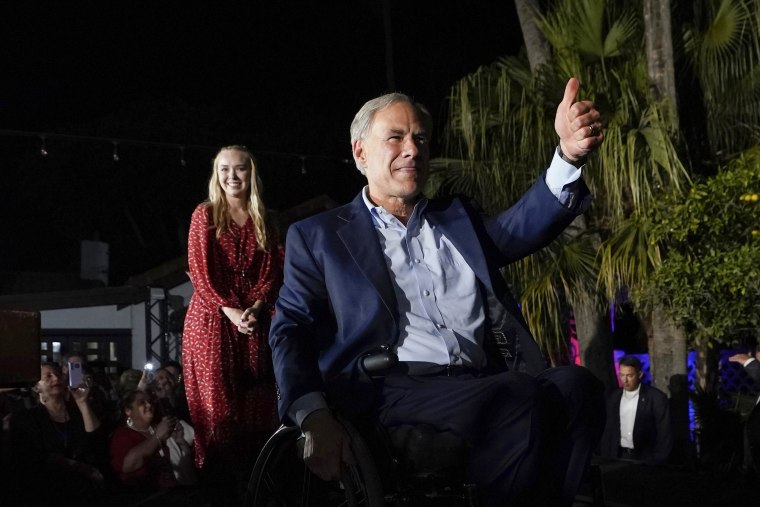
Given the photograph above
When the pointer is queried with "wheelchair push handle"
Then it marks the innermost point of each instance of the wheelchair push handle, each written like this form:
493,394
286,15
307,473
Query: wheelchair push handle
380,361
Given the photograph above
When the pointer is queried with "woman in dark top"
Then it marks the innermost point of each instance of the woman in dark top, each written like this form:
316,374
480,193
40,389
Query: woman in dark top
61,435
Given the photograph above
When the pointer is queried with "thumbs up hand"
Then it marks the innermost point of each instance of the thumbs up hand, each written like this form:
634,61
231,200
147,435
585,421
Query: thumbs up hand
577,124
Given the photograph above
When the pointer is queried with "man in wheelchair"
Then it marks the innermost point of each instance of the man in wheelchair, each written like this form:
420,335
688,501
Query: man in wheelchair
420,279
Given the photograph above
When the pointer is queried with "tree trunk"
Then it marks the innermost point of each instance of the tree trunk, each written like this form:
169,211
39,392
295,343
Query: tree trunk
659,51
706,370
667,356
594,342
591,326
667,350
535,43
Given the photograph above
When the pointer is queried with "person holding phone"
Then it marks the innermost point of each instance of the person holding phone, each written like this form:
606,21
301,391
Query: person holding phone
61,436
235,265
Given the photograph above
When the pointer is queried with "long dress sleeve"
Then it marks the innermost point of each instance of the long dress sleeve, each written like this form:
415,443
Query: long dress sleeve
205,267
269,276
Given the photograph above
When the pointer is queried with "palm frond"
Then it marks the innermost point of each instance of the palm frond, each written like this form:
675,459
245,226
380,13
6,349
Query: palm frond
723,47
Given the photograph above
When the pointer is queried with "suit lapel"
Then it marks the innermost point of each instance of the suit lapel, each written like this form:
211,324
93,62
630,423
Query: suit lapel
641,411
643,397
357,232
509,332
457,227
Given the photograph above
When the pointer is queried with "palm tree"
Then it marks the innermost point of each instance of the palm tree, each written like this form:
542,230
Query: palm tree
536,45
500,131
721,51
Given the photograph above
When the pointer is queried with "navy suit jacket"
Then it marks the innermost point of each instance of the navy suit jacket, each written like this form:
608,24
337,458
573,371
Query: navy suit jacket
753,370
752,427
652,429
337,302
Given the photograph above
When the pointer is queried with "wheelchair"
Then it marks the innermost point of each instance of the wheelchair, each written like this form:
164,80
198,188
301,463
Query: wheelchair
404,466
394,467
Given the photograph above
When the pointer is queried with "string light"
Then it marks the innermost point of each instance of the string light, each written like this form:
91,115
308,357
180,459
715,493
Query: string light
43,136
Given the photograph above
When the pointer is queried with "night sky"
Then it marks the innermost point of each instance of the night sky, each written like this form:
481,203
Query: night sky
282,77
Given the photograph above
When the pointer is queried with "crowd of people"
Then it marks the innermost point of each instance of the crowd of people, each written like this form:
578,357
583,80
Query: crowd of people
96,436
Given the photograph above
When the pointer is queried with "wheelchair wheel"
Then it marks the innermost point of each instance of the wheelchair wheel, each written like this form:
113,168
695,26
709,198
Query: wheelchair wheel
280,478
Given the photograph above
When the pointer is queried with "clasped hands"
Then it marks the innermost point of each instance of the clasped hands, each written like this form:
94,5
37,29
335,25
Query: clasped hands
577,124
248,321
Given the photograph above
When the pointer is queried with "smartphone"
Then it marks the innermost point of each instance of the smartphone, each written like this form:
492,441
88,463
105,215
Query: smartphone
75,374
148,371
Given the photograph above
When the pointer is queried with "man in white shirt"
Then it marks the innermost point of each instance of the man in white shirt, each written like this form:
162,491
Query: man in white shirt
638,418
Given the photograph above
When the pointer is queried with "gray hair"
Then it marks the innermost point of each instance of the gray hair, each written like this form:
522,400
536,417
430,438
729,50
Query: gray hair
362,122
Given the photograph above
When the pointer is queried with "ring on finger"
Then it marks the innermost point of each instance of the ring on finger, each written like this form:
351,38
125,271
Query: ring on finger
592,130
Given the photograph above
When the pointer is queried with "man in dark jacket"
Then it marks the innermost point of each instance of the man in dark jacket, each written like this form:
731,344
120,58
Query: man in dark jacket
421,278
751,364
638,419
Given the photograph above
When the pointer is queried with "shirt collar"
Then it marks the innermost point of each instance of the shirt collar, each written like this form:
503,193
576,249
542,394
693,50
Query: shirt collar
382,217
632,394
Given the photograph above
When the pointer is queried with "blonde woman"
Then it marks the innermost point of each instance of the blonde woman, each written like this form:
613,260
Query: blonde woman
235,266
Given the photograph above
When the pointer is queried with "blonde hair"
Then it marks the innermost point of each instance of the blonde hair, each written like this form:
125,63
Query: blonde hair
217,200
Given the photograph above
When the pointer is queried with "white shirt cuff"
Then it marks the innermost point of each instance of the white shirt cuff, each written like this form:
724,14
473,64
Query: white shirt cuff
559,174
748,361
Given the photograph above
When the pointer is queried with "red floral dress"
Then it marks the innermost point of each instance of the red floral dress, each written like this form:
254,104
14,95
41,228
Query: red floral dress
228,375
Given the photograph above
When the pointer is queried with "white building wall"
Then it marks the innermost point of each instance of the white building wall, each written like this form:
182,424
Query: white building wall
92,317
109,317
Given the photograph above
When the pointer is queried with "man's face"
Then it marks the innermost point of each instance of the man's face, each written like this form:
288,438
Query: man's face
630,378
395,154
